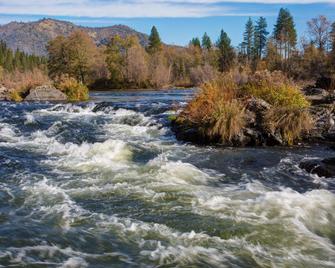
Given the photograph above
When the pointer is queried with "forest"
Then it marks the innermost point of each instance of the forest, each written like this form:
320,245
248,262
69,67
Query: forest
76,61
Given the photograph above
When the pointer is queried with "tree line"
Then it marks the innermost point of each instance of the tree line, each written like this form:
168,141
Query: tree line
16,60
125,63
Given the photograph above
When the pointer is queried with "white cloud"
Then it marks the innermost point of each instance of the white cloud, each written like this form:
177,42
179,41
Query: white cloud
135,8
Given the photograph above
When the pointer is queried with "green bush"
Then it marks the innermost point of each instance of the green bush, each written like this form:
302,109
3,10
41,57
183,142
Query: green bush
275,89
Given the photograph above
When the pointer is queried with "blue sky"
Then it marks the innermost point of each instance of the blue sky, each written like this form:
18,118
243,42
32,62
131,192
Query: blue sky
177,20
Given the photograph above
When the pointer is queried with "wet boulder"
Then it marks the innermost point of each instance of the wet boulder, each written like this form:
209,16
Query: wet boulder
322,168
45,93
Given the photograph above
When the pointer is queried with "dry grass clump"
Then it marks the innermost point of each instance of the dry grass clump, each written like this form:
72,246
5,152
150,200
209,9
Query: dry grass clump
74,90
216,110
275,89
290,122
228,120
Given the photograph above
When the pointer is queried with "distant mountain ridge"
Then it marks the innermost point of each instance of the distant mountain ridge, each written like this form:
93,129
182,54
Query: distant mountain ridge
32,37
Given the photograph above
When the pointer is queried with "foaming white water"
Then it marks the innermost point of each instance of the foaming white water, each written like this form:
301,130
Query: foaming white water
75,262
8,133
178,172
52,200
30,119
74,259
68,109
112,154
307,218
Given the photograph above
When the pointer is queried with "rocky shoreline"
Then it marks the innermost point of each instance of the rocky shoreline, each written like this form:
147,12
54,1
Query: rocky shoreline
40,93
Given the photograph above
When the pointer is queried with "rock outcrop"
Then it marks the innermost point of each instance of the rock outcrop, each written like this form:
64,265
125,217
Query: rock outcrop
4,93
322,168
45,93
319,96
255,132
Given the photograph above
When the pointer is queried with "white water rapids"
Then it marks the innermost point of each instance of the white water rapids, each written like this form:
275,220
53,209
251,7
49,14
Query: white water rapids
108,185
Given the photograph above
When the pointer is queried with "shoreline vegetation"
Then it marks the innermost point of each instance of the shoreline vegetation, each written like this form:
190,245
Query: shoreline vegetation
270,90
235,110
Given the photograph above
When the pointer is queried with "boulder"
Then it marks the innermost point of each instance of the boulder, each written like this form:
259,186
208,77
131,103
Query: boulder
45,93
326,82
324,116
322,168
4,93
257,105
319,96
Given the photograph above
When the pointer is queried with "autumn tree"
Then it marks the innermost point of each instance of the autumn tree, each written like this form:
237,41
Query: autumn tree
115,60
160,71
136,64
226,52
58,60
81,54
319,30
73,55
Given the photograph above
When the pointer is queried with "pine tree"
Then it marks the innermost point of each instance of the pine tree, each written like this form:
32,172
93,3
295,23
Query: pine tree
260,37
285,33
206,42
195,42
225,51
18,60
155,43
248,39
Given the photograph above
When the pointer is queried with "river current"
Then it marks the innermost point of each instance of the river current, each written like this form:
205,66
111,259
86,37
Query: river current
106,184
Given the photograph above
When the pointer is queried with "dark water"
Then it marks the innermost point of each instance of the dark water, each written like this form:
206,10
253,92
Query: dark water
106,184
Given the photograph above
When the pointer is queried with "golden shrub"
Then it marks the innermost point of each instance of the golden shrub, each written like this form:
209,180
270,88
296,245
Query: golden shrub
290,122
74,90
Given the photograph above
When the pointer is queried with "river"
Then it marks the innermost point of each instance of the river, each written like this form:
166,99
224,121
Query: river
106,184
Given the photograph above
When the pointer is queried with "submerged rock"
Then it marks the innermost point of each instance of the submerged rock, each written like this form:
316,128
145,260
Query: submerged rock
45,93
322,168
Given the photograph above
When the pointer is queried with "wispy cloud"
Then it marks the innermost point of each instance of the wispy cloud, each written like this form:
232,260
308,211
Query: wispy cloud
136,8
